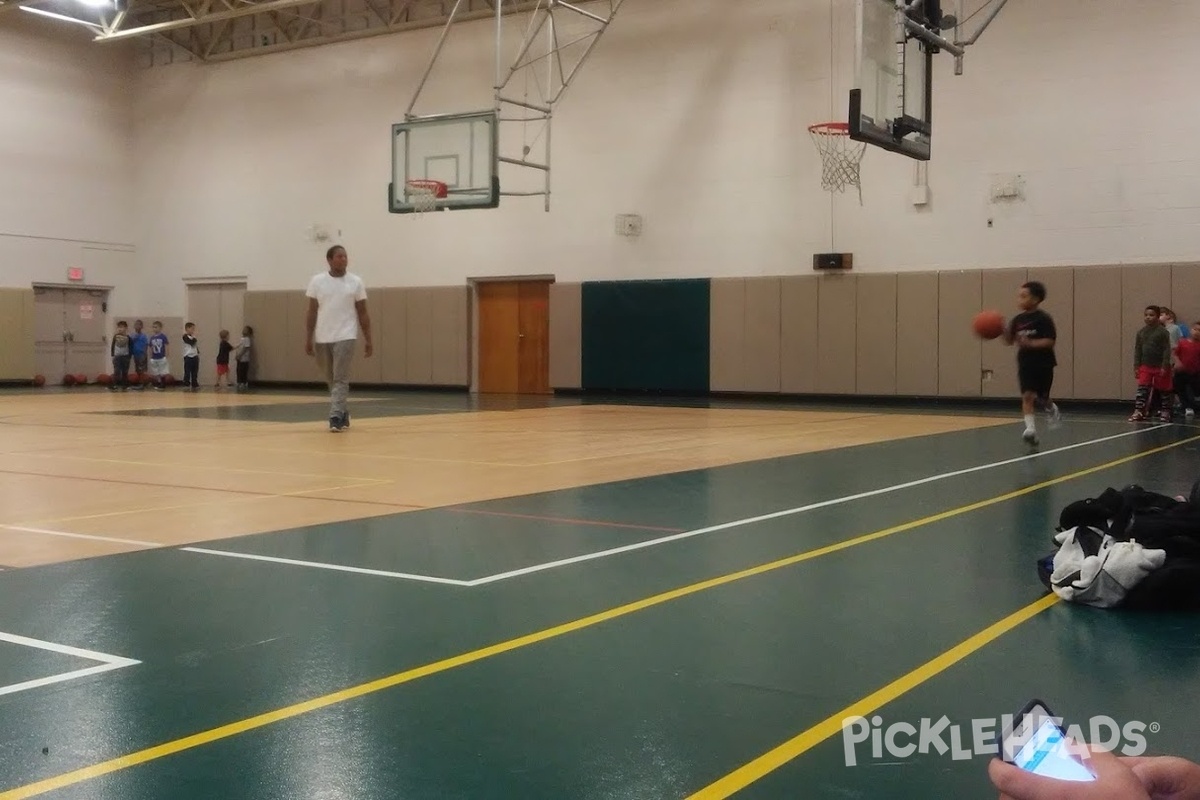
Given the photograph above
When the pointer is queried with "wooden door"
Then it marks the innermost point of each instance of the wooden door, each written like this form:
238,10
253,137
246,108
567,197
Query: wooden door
514,337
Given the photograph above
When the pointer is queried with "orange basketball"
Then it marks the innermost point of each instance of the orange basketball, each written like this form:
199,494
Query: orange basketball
988,324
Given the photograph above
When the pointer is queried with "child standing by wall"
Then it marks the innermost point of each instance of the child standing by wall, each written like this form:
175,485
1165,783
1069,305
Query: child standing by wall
159,367
1152,363
1187,377
243,358
120,351
191,358
224,348
138,344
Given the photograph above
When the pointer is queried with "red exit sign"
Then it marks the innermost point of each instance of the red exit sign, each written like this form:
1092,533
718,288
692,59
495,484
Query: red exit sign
74,273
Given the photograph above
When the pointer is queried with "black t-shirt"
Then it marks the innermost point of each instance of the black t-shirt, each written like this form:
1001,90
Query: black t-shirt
1035,324
223,351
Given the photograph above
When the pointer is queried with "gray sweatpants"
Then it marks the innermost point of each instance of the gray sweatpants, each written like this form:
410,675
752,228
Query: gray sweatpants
334,359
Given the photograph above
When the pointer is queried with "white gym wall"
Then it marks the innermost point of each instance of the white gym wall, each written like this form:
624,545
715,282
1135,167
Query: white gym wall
66,158
691,113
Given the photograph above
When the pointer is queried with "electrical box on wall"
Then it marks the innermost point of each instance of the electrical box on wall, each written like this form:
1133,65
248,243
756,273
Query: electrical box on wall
833,261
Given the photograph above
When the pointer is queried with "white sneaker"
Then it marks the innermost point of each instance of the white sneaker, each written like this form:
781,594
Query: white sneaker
1030,436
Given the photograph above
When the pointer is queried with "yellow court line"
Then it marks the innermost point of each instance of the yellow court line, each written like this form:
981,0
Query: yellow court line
793,748
288,712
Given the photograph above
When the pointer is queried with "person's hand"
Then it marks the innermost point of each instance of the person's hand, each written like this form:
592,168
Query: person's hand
308,347
1115,780
1166,778
370,348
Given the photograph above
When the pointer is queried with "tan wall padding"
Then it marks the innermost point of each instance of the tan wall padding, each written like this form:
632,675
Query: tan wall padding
1098,342
761,348
1060,304
1185,293
389,316
999,293
876,335
916,334
450,347
419,336
566,335
959,351
836,339
727,334
267,312
798,303
298,365
17,344
1141,285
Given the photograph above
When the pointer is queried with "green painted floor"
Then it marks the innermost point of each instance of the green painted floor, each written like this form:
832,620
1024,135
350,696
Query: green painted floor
654,703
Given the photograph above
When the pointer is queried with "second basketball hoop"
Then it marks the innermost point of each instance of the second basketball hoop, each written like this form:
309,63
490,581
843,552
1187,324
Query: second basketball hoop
841,156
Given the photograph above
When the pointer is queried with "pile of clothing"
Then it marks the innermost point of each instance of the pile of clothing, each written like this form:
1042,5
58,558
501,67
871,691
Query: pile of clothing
1128,548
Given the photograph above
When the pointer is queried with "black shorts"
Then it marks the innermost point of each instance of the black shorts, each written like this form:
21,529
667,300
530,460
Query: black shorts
1036,378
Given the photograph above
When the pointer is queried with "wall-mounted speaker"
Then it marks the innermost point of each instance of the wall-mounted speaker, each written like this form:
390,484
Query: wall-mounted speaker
835,261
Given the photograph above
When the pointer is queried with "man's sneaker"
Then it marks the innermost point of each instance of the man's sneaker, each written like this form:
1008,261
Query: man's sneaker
1137,416
345,419
335,423
1030,436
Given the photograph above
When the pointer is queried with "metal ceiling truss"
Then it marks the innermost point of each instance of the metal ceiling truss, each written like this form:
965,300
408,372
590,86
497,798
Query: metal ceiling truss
558,39
169,31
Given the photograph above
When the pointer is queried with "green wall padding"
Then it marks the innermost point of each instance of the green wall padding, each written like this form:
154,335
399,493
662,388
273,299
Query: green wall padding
646,335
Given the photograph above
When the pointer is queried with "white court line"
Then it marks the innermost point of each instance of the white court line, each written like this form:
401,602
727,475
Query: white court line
107,662
80,536
322,565
663,539
790,511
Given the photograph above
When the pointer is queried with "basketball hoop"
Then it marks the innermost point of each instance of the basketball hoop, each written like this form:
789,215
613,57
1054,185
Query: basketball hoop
840,156
425,193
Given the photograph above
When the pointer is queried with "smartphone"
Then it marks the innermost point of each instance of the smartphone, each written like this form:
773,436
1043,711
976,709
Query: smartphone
1037,743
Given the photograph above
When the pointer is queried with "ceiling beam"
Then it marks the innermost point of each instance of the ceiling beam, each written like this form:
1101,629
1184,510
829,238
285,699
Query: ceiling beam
249,9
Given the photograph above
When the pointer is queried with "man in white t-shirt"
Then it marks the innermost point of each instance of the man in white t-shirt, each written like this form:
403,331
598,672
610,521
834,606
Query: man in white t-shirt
337,308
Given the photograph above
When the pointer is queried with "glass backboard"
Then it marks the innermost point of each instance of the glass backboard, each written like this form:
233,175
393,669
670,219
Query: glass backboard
457,149
891,102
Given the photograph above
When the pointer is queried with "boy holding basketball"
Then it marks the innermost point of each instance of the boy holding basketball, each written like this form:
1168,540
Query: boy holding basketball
1034,334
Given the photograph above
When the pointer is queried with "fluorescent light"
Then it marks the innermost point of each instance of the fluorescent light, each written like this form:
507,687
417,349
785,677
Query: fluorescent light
94,3
62,17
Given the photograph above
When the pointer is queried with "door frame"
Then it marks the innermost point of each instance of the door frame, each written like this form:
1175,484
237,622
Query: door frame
102,291
219,279
473,316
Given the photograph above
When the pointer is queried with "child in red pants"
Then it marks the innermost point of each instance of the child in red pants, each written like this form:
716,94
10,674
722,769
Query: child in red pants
1152,360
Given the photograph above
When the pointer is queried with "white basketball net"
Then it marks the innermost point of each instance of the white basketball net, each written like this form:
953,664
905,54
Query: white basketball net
840,157
423,197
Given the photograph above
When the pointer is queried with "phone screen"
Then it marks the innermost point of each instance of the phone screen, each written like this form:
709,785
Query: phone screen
1046,753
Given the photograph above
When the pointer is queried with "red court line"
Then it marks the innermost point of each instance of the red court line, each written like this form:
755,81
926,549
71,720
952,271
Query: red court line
249,492
569,520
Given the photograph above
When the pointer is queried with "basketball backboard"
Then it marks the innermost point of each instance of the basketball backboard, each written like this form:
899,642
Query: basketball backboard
891,104
458,150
